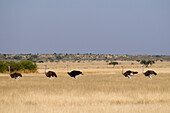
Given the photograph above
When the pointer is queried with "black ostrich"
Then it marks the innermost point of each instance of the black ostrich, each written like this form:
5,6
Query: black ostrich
128,73
148,73
14,75
74,73
50,74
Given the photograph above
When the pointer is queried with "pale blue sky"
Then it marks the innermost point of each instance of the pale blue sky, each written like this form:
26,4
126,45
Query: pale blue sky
85,26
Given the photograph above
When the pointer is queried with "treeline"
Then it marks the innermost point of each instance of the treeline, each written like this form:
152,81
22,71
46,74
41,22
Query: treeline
26,66
40,58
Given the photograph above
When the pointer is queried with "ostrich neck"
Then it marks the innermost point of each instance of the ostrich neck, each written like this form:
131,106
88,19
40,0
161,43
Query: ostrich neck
9,70
122,70
67,69
143,69
45,69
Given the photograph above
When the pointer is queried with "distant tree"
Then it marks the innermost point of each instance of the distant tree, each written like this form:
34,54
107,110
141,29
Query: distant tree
17,57
50,59
40,61
138,60
150,62
107,61
4,55
113,63
58,57
94,58
34,56
147,63
161,60
66,55
105,58
143,62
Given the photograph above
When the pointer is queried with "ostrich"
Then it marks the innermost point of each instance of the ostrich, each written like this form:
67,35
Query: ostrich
14,75
128,73
148,73
50,74
74,73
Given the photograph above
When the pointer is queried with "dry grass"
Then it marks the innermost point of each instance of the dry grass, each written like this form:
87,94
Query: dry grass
104,92
102,67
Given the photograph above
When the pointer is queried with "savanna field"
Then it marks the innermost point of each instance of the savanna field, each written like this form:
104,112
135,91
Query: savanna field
102,89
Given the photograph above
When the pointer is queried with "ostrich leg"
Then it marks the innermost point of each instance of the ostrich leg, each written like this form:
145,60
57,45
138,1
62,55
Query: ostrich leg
129,76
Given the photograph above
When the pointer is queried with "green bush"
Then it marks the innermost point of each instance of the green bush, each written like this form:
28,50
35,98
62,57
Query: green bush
113,63
40,61
28,65
2,66
147,63
17,57
138,60
18,66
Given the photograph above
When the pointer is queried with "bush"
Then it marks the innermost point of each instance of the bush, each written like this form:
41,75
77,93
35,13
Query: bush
28,65
138,60
59,57
113,63
18,66
2,66
40,61
147,63
17,57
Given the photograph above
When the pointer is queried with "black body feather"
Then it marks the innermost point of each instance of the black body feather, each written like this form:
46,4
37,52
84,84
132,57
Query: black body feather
51,74
74,73
15,75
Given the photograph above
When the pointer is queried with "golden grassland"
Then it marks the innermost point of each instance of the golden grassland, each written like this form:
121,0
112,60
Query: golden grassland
102,89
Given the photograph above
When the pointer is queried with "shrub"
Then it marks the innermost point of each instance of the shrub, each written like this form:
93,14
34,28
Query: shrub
40,61
147,63
58,57
28,65
113,63
2,66
18,66
138,60
17,57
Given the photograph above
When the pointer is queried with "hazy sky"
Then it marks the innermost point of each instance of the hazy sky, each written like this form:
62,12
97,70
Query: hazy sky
85,26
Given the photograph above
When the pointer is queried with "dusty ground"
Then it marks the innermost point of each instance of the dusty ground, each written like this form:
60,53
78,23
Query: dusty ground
102,89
